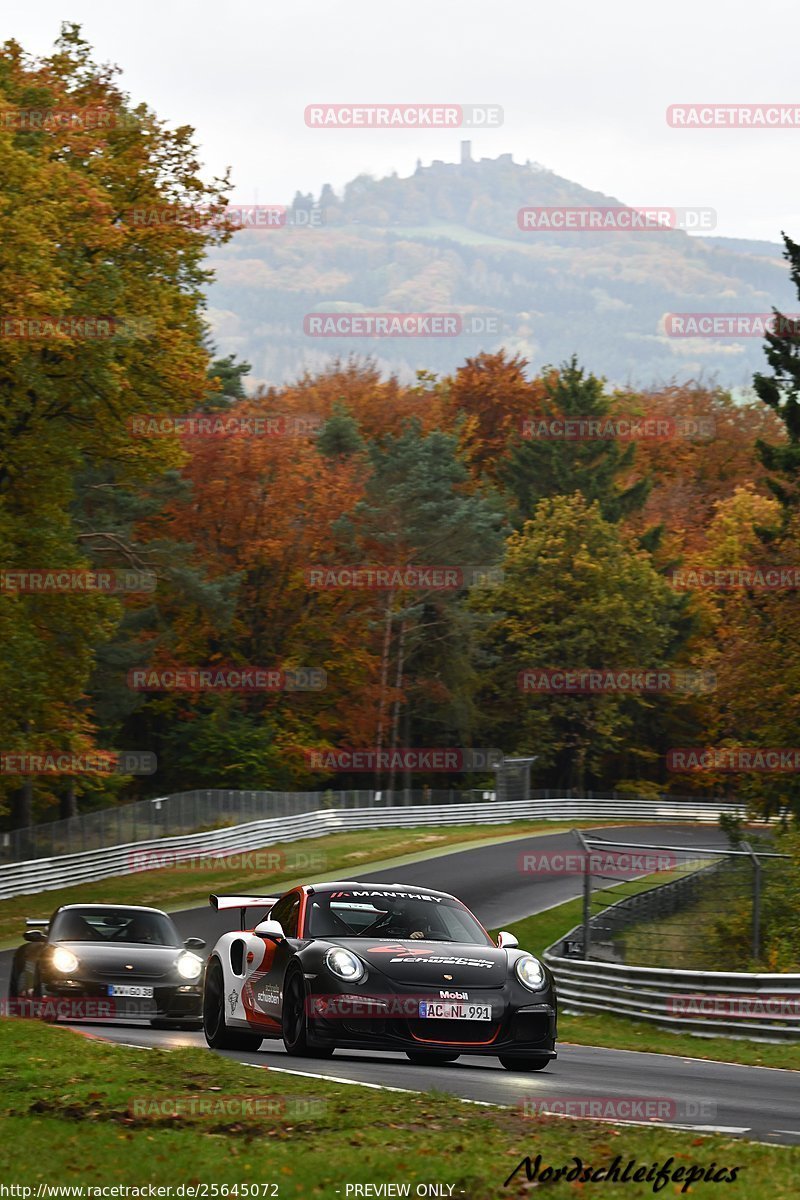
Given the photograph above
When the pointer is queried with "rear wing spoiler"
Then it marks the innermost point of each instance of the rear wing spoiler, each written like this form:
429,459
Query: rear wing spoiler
221,903
37,922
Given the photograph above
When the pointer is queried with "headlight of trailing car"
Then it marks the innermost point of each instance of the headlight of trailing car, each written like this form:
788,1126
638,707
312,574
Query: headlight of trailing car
345,964
189,965
64,960
530,972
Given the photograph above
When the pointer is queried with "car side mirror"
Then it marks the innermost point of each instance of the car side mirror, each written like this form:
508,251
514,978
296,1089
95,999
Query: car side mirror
35,935
194,943
273,930
506,941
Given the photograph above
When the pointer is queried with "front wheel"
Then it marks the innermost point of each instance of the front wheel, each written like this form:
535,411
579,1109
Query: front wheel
512,1063
434,1059
218,1036
295,1026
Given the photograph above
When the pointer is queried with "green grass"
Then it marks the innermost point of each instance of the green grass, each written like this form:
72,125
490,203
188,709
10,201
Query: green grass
336,854
76,1111
618,1033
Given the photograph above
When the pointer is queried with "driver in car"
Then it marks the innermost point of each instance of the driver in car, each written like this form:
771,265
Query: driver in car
399,922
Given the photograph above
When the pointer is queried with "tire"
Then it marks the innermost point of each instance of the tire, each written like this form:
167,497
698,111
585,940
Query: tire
218,1036
293,1019
13,983
39,998
433,1059
512,1063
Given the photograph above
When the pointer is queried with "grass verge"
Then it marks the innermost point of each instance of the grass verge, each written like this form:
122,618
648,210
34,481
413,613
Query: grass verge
75,1111
619,1033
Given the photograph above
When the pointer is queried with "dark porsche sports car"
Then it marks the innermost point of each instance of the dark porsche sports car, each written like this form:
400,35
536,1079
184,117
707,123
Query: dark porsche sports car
377,967
100,961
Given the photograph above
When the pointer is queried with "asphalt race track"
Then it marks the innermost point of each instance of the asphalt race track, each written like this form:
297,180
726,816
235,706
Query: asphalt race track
755,1102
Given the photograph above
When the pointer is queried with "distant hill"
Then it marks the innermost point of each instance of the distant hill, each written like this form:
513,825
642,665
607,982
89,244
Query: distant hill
446,239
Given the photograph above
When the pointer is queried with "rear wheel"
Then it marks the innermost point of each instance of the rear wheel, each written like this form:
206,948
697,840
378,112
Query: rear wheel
295,1025
433,1059
218,1036
512,1063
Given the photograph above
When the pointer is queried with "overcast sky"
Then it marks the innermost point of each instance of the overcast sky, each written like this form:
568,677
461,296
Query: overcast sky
584,87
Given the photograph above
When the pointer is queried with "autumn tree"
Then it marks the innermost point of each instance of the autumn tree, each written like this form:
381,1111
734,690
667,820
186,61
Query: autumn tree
102,319
543,465
576,593
420,509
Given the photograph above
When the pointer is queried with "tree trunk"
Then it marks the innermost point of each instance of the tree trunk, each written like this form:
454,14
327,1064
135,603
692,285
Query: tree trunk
23,805
387,644
69,801
401,646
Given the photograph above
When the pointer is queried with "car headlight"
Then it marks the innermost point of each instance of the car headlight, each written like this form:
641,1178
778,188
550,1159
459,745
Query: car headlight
345,964
64,960
530,972
189,965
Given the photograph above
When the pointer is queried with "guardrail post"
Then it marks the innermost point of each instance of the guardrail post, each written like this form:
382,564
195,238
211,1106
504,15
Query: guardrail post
756,926
587,893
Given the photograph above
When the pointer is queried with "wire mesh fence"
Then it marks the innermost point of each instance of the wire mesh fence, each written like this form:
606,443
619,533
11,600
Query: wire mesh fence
674,907
192,812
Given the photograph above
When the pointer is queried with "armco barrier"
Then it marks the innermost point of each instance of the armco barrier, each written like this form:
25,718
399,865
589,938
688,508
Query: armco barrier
668,998
44,874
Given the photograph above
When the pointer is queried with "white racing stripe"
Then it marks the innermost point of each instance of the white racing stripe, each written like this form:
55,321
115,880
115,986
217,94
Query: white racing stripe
381,1087
545,1112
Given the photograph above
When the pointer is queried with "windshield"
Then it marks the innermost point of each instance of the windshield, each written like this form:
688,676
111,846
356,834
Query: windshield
114,925
435,918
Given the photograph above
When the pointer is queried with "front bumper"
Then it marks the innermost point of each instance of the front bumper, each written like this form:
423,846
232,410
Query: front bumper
83,1000
519,1026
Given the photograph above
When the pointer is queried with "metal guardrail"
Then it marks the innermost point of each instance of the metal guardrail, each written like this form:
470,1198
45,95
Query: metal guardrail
682,1001
209,808
45,874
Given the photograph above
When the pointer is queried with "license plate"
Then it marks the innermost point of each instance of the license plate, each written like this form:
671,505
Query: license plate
447,1011
130,989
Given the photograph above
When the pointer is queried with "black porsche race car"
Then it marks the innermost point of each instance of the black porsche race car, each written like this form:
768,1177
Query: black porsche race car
105,962
376,967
